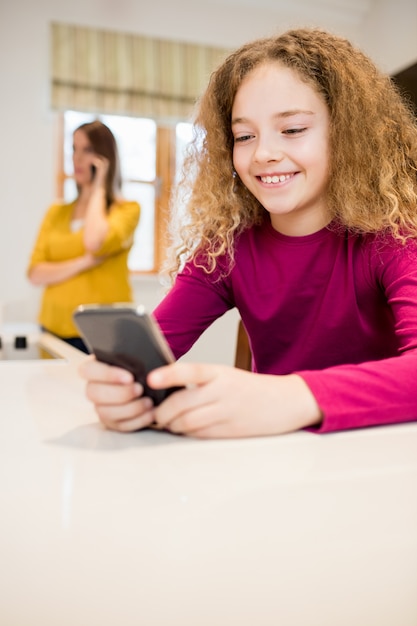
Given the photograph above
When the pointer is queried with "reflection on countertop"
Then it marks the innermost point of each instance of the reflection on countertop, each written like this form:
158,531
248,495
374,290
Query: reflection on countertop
24,348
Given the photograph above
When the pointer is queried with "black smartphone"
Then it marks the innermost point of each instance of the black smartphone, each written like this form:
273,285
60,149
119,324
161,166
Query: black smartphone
127,336
93,171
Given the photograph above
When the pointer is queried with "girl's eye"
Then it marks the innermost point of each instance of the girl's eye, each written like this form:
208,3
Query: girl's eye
294,131
243,138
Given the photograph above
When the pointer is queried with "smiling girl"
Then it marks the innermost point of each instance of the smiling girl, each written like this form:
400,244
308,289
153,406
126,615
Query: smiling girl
302,214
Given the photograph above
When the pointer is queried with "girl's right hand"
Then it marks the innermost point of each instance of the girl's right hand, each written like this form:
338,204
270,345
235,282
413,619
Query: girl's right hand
116,396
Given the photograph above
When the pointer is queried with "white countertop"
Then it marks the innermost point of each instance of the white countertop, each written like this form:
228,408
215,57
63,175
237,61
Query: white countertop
151,529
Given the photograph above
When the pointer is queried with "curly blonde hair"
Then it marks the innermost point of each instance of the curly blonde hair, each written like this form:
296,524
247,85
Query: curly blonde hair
373,147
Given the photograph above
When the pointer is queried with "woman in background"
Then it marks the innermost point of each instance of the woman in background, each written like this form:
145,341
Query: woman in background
81,251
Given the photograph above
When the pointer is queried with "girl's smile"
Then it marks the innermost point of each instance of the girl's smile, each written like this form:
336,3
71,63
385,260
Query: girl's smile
280,126
274,179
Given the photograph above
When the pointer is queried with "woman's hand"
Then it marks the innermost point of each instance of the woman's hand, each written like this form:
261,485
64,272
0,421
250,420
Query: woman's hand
92,261
116,396
217,401
101,167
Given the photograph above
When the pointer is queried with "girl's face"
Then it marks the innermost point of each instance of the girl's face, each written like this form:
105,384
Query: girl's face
82,158
281,149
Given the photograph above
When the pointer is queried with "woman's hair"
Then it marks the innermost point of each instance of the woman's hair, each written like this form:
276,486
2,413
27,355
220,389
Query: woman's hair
373,146
104,144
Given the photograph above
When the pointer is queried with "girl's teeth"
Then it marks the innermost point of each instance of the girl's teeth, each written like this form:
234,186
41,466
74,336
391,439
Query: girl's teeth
275,179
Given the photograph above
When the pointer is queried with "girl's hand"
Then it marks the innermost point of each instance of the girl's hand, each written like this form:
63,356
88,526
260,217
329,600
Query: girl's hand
116,396
221,401
217,402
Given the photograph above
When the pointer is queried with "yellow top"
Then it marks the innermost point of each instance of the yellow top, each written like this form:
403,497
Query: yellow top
103,284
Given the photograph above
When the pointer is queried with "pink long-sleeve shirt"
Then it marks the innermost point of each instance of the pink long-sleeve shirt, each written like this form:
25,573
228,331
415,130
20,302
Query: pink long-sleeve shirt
338,309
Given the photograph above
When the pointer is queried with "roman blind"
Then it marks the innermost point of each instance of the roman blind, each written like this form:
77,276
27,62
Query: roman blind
121,73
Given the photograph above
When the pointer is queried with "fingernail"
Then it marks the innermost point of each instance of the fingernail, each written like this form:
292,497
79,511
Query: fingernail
147,402
125,377
138,389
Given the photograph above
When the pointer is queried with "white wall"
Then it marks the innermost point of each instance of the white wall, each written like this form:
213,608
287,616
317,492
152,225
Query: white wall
389,34
28,125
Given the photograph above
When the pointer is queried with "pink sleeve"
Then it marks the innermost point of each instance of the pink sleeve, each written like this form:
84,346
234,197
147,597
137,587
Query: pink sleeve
377,392
369,394
193,303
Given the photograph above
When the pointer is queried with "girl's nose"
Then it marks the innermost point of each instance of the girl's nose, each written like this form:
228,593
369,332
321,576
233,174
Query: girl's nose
268,150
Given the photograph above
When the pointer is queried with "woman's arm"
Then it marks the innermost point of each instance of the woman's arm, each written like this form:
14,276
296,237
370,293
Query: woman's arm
96,223
51,273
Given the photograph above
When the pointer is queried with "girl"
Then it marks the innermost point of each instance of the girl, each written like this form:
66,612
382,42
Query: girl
80,255
303,215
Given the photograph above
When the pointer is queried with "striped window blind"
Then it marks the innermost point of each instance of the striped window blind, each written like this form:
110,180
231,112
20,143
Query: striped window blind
112,72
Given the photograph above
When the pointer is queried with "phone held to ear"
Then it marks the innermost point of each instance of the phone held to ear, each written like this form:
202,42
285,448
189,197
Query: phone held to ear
127,336
93,172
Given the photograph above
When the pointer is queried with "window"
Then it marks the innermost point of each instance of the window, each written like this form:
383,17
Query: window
150,157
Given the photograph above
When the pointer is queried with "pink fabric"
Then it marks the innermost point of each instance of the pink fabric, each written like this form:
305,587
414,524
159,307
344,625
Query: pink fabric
339,310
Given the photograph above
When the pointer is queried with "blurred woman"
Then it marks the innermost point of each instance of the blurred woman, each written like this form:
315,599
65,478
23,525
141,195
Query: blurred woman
81,252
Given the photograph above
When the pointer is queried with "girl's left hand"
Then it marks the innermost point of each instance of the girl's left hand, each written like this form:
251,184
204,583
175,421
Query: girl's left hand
220,401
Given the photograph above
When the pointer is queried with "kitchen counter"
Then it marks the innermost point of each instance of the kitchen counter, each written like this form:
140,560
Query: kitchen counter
102,529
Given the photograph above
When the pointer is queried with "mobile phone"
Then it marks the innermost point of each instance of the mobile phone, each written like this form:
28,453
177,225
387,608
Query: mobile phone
93,171
127,336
